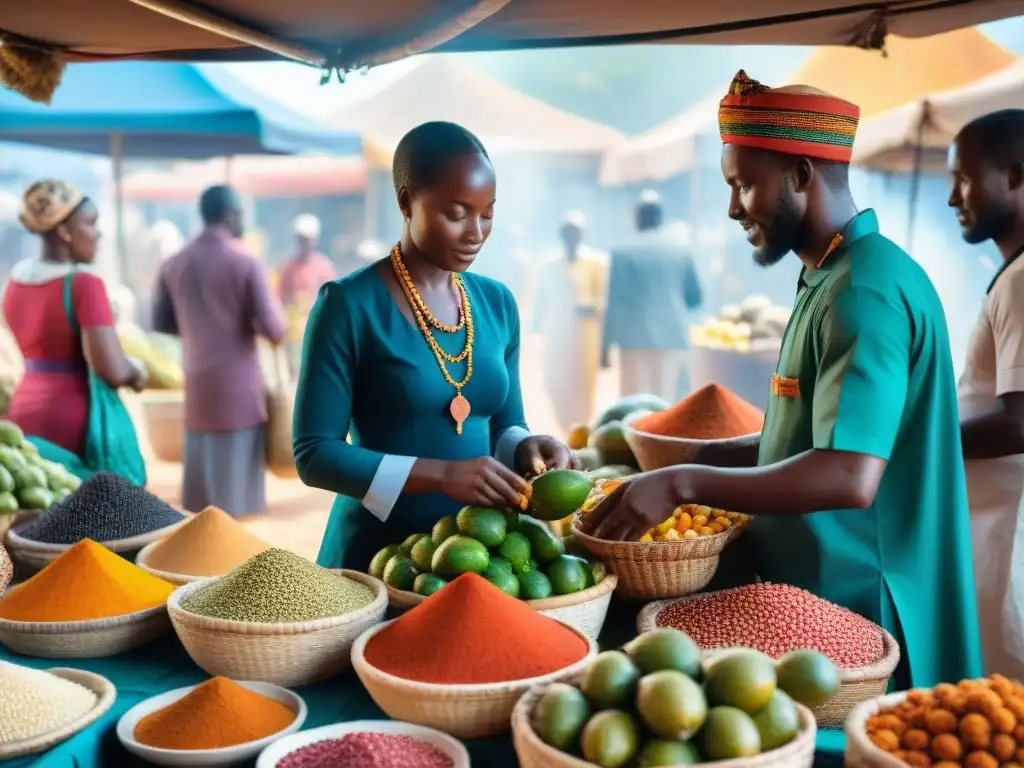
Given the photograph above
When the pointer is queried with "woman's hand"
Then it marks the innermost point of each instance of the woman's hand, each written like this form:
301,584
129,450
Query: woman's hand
484,481
635,507
537,454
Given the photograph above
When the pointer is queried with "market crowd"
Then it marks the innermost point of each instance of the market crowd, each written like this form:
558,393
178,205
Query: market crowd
877,480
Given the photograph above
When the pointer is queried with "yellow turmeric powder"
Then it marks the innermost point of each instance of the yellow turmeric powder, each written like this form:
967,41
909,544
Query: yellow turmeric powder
86,582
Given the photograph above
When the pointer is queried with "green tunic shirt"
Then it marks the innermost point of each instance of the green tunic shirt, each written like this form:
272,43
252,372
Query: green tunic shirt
866,367
367,371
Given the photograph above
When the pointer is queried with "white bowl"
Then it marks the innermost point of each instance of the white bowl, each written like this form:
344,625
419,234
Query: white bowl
450,746
205,757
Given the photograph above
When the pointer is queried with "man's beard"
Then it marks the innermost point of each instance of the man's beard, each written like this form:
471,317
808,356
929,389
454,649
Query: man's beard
782,235
990,223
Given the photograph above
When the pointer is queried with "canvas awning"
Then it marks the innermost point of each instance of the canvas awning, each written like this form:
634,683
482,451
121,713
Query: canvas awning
349,33
890,141
252,175
663,151
910,70
447,88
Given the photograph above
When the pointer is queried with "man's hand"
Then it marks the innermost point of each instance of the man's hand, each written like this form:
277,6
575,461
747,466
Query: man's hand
636,506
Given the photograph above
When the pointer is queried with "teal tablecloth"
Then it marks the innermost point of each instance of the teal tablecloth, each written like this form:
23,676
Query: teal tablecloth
164,665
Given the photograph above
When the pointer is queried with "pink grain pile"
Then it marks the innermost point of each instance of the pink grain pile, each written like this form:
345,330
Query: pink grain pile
368,750
776,619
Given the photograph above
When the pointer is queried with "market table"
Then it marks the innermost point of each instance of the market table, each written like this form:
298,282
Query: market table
164,665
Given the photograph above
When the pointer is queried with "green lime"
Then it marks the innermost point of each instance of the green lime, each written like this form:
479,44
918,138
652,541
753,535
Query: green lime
659,752
728,733
778,722
742,679
610,681
808,677
421,553
534,585
665,648
610,739
560,715
671,704
380,560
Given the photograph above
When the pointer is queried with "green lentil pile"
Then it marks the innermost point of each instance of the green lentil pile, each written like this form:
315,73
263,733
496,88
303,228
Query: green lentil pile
278,587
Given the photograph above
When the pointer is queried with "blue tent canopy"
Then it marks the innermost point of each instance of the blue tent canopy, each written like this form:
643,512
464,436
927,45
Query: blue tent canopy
162,110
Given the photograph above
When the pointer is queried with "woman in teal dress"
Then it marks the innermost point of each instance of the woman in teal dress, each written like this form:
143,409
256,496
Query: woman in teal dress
417,360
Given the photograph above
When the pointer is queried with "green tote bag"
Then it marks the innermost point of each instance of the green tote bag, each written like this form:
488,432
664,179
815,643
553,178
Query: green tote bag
110,441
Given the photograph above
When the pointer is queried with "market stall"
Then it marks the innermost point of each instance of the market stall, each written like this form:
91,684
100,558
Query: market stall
464,629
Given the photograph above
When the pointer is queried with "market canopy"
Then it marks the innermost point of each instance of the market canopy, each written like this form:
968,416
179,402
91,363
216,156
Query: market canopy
260,176
890,141
447,88
164,110
910,70
351,33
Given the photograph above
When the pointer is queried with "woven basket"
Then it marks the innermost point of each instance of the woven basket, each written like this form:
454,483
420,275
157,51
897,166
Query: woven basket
860,752
36,555
654,570
534,753
6,569
466,711
284,654
6,521
585,611
105,696
164,416
177,579
92,639
856,684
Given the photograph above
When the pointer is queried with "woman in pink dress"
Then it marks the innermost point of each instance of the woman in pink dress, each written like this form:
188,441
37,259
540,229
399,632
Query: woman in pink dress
52,399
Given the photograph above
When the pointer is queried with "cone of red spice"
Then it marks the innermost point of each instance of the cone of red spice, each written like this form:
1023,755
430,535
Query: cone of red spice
713,412
472,632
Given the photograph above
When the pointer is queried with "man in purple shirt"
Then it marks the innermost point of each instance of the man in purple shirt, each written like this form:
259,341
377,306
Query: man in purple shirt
217,298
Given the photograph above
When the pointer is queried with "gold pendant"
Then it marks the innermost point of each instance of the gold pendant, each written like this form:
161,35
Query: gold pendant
459,410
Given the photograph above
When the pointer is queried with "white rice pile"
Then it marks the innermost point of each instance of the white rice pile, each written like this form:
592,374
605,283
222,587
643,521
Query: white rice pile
33,702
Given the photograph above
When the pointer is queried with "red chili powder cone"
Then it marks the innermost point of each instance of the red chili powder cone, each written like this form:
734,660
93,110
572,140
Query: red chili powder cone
471,632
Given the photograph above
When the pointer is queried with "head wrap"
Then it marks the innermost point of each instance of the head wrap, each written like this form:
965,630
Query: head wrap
48,203
794,120
306,225
576,219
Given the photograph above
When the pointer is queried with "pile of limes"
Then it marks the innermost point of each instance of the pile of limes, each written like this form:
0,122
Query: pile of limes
655,703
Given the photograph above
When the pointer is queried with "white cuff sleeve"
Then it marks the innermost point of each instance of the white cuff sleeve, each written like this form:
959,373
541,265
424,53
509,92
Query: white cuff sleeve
1009,380
387,485
505,450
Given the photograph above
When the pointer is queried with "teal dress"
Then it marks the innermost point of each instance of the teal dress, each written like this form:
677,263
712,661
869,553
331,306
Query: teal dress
866,367
367,371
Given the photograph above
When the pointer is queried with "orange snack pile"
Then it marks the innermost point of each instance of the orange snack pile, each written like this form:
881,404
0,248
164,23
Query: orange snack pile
975,724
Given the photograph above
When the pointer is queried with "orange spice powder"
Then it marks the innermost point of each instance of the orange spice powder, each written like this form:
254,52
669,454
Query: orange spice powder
713,412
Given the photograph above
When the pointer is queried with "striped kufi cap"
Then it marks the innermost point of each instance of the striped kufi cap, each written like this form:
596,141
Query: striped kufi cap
793,120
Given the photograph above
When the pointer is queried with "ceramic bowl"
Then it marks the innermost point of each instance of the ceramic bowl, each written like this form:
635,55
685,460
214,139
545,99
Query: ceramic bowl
205,757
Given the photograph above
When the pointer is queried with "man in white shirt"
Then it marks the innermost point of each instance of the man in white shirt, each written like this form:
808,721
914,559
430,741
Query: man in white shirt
987,167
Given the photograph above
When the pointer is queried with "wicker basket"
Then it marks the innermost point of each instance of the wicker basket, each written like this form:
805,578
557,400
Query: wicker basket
163,413
177,579
6,569
6,521
856,684
466,711
860,752
284,654
585,611
534,753
655,570
92,639
32,556
105,696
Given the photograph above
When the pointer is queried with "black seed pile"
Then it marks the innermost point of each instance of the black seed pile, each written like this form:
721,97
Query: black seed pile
107,507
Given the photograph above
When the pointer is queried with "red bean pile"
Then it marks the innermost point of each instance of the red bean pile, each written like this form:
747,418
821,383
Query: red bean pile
367,750
776,619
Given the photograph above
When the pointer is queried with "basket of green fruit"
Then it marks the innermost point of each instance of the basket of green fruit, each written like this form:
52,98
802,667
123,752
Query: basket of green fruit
517,553
659,702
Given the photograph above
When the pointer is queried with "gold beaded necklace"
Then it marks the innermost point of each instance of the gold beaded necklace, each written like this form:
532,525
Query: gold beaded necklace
459,407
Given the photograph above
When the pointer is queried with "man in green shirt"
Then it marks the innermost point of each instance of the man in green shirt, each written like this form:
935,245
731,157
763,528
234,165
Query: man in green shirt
857,479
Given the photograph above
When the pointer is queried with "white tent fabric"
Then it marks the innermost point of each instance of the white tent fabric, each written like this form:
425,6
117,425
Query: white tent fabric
663,151
889,141
505,120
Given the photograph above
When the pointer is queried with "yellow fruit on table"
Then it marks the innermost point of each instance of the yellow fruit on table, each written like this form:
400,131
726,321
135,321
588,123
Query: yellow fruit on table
690,521
578,436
